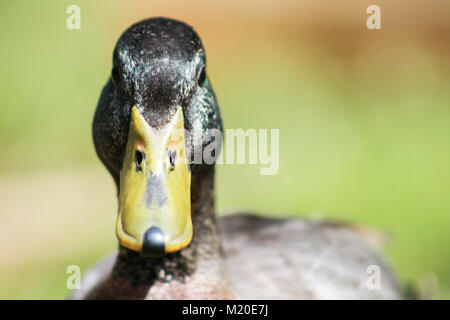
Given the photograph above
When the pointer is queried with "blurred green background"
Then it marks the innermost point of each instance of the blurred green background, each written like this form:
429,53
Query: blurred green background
364,119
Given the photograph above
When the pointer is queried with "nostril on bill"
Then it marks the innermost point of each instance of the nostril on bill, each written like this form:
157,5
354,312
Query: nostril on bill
153,243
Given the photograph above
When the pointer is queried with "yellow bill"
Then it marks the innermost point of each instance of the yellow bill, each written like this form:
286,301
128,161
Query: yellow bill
155,188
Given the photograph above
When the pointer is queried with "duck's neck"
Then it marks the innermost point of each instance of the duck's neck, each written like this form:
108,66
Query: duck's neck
134,276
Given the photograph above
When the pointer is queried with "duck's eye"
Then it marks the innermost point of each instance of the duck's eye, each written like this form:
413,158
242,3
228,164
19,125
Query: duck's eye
172,158
115,74
139,158
202,77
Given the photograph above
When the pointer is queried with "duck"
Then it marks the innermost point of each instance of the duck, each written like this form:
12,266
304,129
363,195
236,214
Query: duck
171,245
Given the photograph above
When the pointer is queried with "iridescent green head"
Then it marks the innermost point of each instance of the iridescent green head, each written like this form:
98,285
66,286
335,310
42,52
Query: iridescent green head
155,105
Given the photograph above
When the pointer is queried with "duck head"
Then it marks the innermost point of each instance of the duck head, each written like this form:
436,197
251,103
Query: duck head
151,113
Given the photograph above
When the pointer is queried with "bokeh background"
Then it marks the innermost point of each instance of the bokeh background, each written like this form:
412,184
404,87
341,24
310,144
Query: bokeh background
364,119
